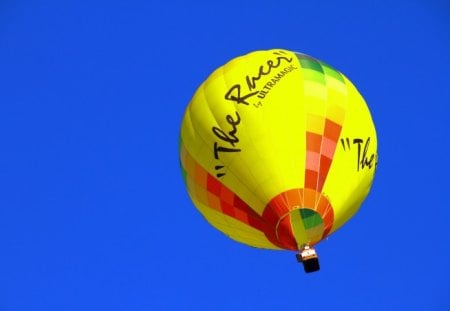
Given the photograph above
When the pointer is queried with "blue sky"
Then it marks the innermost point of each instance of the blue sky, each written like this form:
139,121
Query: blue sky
93,210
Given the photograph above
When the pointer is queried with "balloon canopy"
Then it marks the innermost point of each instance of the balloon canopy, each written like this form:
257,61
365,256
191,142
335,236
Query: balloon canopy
278,149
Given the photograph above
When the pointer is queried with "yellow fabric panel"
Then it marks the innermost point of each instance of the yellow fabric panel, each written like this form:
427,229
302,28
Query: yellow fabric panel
346,186
336,113
315,123
298,229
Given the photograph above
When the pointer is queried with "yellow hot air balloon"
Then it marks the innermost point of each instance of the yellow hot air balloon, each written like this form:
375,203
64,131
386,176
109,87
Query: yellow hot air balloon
278,150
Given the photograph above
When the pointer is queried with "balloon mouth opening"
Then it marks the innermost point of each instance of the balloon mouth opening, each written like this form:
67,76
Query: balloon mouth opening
301,226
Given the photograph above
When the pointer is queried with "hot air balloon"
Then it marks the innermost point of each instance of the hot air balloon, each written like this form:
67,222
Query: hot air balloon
278,150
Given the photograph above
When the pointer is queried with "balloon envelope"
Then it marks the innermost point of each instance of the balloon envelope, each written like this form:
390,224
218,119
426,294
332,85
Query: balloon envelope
277,149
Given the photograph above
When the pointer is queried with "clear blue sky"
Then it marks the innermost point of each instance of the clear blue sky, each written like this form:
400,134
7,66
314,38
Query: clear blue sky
93,210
